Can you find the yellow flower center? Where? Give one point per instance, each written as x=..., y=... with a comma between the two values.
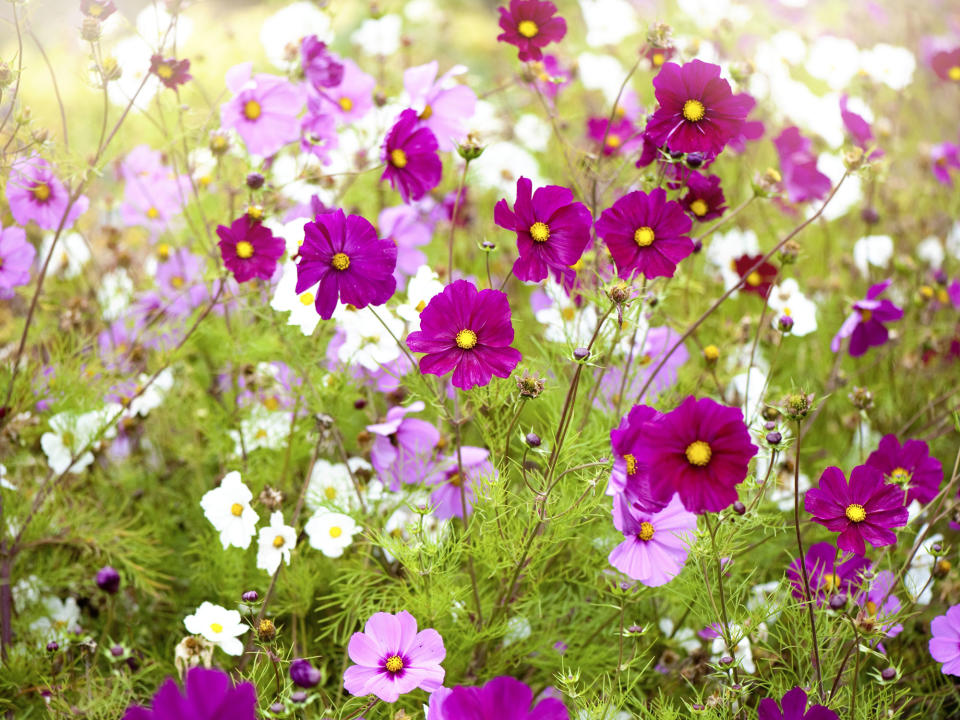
x=68, y=439
x=260, y=434
x=153, y=213
x=699, y=207
x=754, y=279
x=251, y=110
x=216, y=627
x=427, y=113
x=398, y=158
x=658, y=59
x=345, y=103
x=631, y=464
x=855, y=513
x=164, y=71
x=41, y=192
x=568, y=313
x=95, y=10
x=255, y=212
x=335, y=532
x=865, y=315
x=330, y=492
x=394, y=664
x=340, y=261
x=698, y=453
x=613, y=140
x=527, y=28
x=236, y=509
x=163, y=251
x=307, y=298
x=271, y=403
x=421, y=305
x=455, y=480
x=540, y=232
x=900, y=475
x=711, y=352
x=244, y=249
x=644, y=236
x=954, y=73
x=466, y=339
x=646, y=531
x=831, y=582
x=693, y=111
x=278, y=541
x=177, y=281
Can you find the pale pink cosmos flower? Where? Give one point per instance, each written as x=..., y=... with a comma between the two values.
x=442, y=106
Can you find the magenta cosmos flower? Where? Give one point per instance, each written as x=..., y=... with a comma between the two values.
x=443, y=108
x=403, y=447
x=264, y=110
x=249, y=250
x=827, y=578
x=531, y=25
x=945, y=643
x=865, y=325
x=944, y=157
x=794, y=707
x=172, y=72
x=321, y=67
x=701, y=450
x=413, y=167
x=502, y=698
x=207, y=695
x=656, y=544
x=798, y=167
x=345, y=259
x=946, y=64
x=16, y=257
x=910, y=466
x=392, y=658
x=646, y=234
x=863, y=509
x=698, y=112
x=627, y=475
x=466, y=331
x=704, y=199
x=552, y=230
x=35, y=194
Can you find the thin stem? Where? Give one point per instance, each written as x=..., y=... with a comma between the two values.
x=453, y=220
x=723, y=597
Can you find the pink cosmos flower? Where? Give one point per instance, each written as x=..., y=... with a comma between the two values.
x=249, y=249
x=152, y=196
x=403, y=224
x=628, y=477
x=442, y=108
x=449, y=482
x=502, y=698
x=403, y=447
x=858, y=128
x=392, y=658
x=181, y=285
x=656, y=544
x=413, y=167
x=704, y=199
x=880, y=604
x=531, y=25
x=466, y=331
x=207, y=695
x=321, y=67
x=550, y=76
x=750, y=130
x=946, y=64
x=318, y=130
x=98, y=9
x=910, y=465
x=798, y=167
x=623, y=137
x=264, y=110
x=944, y=646
x=794, y=705
x=352, y=98
x=827, y=578
x=865, y=325
x=35, y=194
x=172, y=72
x=944, y=157
x=16, y=258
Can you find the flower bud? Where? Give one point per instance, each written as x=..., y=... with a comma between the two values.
x=861, y=398
x=108, y=580
x=769, y=425
x=360, y=403
x=711, y=353
x=530, y=386
x=581, y=354
x=774, y=438
x=796, y=406
x=278, y=707
x=117, y=651
x=271, y=498
x=53, y=646
x=488, y=246
x=470, y=149
x=298, y=697
x=785, y=324
x=266, y=630
x=739, y=508
x=789, y=253
x=219, y=142
x=532, y=440
x=870, y=215
x=838, y=601
x=619, y=293
x=255, y=181
x=6, y=75
x=888, y=674
x=304, y=674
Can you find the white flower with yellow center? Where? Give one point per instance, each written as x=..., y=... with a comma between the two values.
x=69, y=434
x=889, y=64
x=275, y=543
x=151, y=398
x=220, y=626
x=228, y=510
x=331, y=486
x=58, y=618
x=71, y=255
x=421, y=289
x=876, y=250
x=786, y=299
x=331, y=532
x=264, y=428
x=301, y=307
x=367, y=342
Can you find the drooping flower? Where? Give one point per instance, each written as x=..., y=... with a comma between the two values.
x=794, y=707
x=656, y=544
x=449, y=482
x=392, y=658
x=440, y=107
x=865, y=325
x=944, y=644
x=275, y=543
x=331, y=532
x=208, y=694
x=466, y=331
x=646, y=234
x=228, y=509
x=249, y=249
x=911, y=466
x=172, y=72
x=220, y=626
x=759, y=280
x=403, y=446
x=798, y=167
x=16, y=259
x=345, y=259
x=264, y=110
x=826, y=577
x=413, y=167
x=704, y=199
x=552, y=230
x=698, y=112
x=946, y=64
x=35, y=194
x=502, y=698
x=531, y=25
x=861, y=509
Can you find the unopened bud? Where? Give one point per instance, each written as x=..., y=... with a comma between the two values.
x=533, y=440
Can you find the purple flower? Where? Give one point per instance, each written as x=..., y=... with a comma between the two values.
x=627, y=476
x=863, y=509
x=945, y=644
x=318, y=131
x=172, y=72
x=826, y=577
x=403, y=225
x=304, y=674
x=698, y=112
x=750, y=130
x=446, y=496
x=646, y=234
x=207, y=695
x=466, y=331
x=865, y=325
x=352, y=98
x=180, y=281
x=443, y=109
x=345, y=259
x=880, y=603
x=264, y=110
x=910, y=466
x=656, y=544
x=858, y=128
x=392, y=658
x=531, y=25
x=502, y=698
x=16, y=258
x=413, y=167
x=249, y=249
x=622, y=138
x=320, y=66
x=645, y=360
x=704, y=199
x=108, y=580
x=946, y=64
x=794, y=705
x=798, y=167
x=550, y=76
x=944, y=157
x=403, y=447
x=552, y=230
x=34, y=193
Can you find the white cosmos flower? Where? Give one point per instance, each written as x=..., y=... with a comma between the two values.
x=601, y=72
x=331, y=532
x=742, y=650
x=564, y=321
x=220, y=626
x=4, y=483
x=228, y=510
x=916, y=580
x=301, y=307
x=952, y=243
x=331, y=486
x=421, y=288
x=60, y=616
x=709, y=13
x=873, y=250
x=275, y=543
x=380, y=36
x=133, y=58
x=263, y=428
x=151, y=398
x=930, y=250
x=68, y=435
x=114, y=293
x=889, y=64
x=366, y=340
x=834, y=60
x=786, y=299
x=502, y=164
x=608, y=21
x=282, y=32
x=532, y=132
x=71, y=255
x=292, y=232
x=518, y=628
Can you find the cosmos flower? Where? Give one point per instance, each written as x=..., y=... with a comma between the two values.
x=220, y=626
x=97, y=9
x=264, y=110
x=656, y=544
x=502, y=698
x=758, y=281
x=321, y=67
x=318, y=131
x=794, y=707
x=785, y=299
x=449, y=482
x=441, y=108
x=750, y=130
x=16, y=259
x=863, y=509
x=698, y=112
x=552, y=230
x=413, y=167
x=405, y=226
x=798, y=167
x=622, y=137
x=35, y=194
x=946, y=64
x=345, y=259
x=944, y=644
x=865, y=325
x=858, y=128
x=550, y=76
x=704, y=199
x=944, y=157
x=627, y=476
x=646, y=234
x=403, y=446
x=827, y=578
x=331, y=532
x=392, y=658
x=879, y=603
x=466, y=331
x=352, y=98
x=910, y=466
x=275, y=543
x=531, y=25
x=249, y=249
x=172, y=72
x=331, y=485
x=228, y=509
x=207, y=695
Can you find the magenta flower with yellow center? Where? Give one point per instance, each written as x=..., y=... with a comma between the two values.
x=531, y=25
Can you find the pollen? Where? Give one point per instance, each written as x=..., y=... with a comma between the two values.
x=754, y=279
x=340, y=261
x=244, y=250
x=614, y=141
x=251, y=110
x=153, y=213
x=631, y=462
x=855, y=513
x=163, y=251
x=345, y=103
x=41, y=192
x=540, y=232
x=398, y=158
x=177, y=282
x=421, y=305
x=568, y=313
x=954, y=73
x=644, y=236
x=527, y=28
x=307, y=298
x=164, y=71
x=278, y=541
x=693, y=111
x=427, y=113
x=646, y=531
x=698, y=453
x=271, y=403
x=699, y=207
x=216, y=627
x=657, y=59
x=335, y=532
x=466, y=339
x=330, y=492
x=900, y=475
x=236, y=509
x=831, y=582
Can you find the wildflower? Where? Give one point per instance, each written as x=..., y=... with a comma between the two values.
x=879, y=604
x=759, y=280
x=443, y=109
x=552, y=230
x=331, y=485
x=16, y=259
x=392, y=658
x=865, y=508
x=798, y=166
x=304, y=674
x=249, y=249
x=413, y=167
x=299, y=305
x=275, y=543
x=502, y=698
x=70, y=434
x=619, y=138
x=646, y=234
x=331, y=532
x=220, y=626
x=466, y=331
x=345, y=259
x=97, y=9
x=826, y=577
x=944, y=646
x=450, y=483
x=656, y=544
x=264, y=110
x=35, y=193
x=58, y=618
x=944, y=157
x=403, y=446
x=403, y=225
x=698, y=112
x=946, y=64
x=865, y=325
x=876, y=250
x=794, y=707
x=858, y=128
x=172, y=72
x=108, y=579
x=321, y=67
x=421, y=288
x=910, y=466
x=531, y=25
x=207, y=695
x=627, y=476
x=704, y=199
x=352, y=98
x=787, y=299
x=228, y=510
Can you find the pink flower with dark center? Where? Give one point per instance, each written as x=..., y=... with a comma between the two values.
x=704, y=199
x=910, y=466
x=443, y=109
x=946, y=64
x=827, y=578
x=656, y=544
x=16, y=258
x=880, y=604
x=531, y=25
x=944, y=646
x=863, y=509
x=35, y=194
x=172, y=72
x=264, y=110
x=249, y=250
x=798, y=167
x=413, y=167
x=865, y=325
x=550, y=76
